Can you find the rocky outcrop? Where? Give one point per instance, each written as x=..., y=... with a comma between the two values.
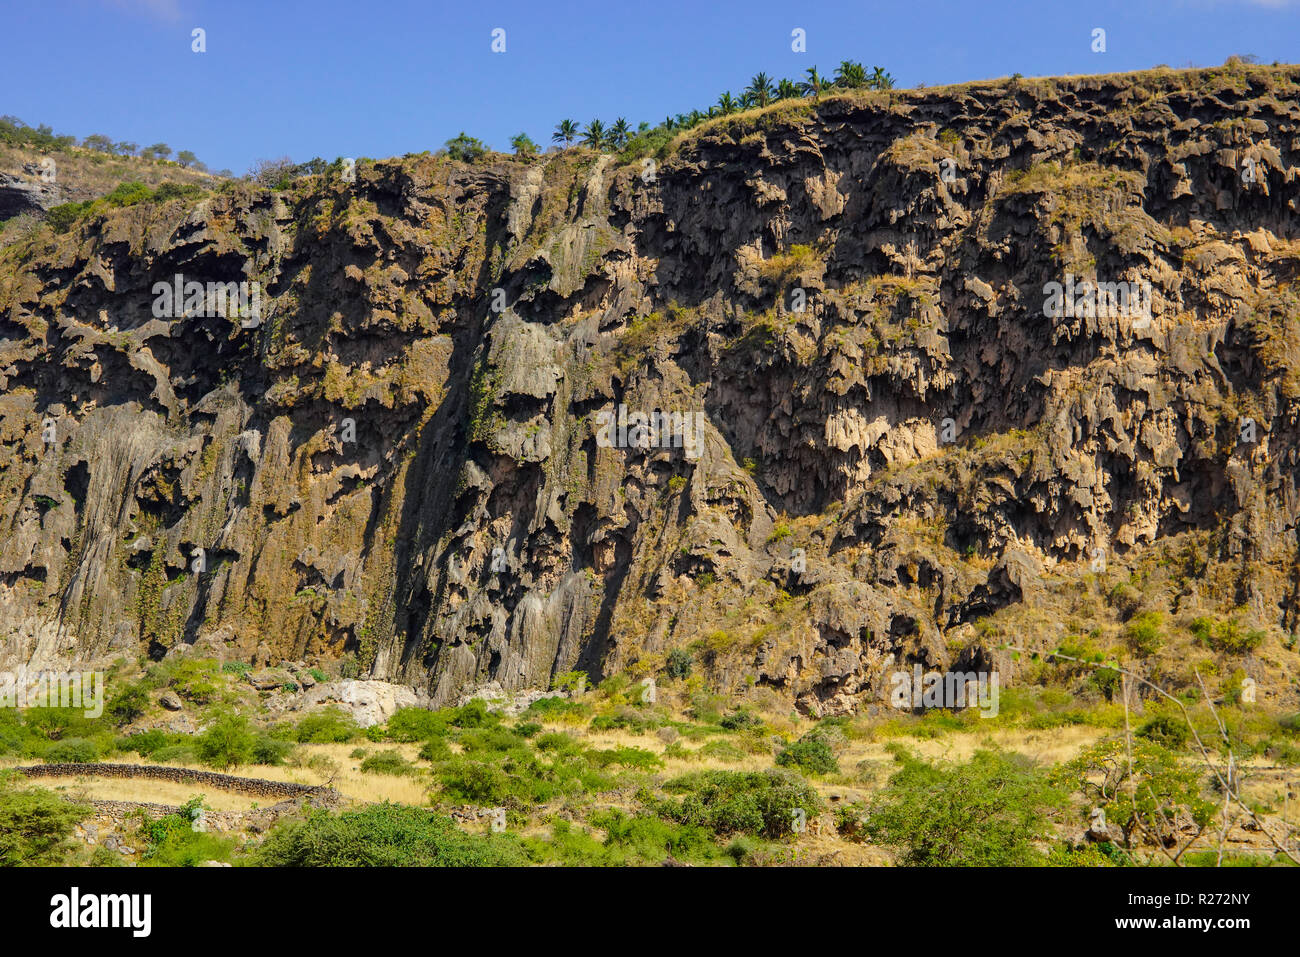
x=880, y=430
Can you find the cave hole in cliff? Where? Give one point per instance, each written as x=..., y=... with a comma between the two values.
x=77, y=481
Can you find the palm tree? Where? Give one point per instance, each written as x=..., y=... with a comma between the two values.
x=880, y=80
x=850, y=75
x=619, y=134
x=695, y=117
x=727, y=104
x=761, y=88
x=787, y=90
x=594, y=134
x=670, y=123
x=565, y=133
x=815, y=83
x=747, y=99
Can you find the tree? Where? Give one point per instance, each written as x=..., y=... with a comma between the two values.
x=523, y=145
x=880, y=80
x=186, y=158
x=98, y=142
x=727, y=104
x=126, y=148
x=465, y=148
x=157, y=151
x=850, y=75
x=594, y=135
x=815, y=83
x=761, y=89
x=619, y=134
x=273, y=173
x=787, y=90
x=1142, y=787
x=988, y=812
x=566, y=132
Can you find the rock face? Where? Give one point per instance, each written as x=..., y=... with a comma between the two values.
x=369, y=702
x=879, y=429
x=19, y=195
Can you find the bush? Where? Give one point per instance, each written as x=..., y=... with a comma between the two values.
x=1145, y=633
x=72, y=751
x=383, y=835
x=128, y=704
x=987, y=812
x=474, y=782
x=679, y=663
x=435, y=749
x=171, y=841
x=145, y=743
x=35, y=824
x=741, y=802
x=627, y=757
x=387, y=762
x=809, y=754
x=228, y=742
x=1168, y=730
x=417, y=724
x=329, y=726
x=464, y=148
x=741, y=720
x=1226, y=636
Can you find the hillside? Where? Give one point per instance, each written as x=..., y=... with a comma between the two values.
x=476, y=529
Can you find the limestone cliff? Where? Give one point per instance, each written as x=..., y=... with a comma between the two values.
x=403, y=462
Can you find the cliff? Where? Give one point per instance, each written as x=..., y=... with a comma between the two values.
x=889, y=446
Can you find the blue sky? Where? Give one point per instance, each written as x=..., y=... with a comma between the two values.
x=378, y=78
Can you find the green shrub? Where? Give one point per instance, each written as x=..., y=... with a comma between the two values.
x=741, y=802
x=383, y=835
x=679, y=663
x=388, y=762
x=145, y=743
x=1228, y=636
x=722, y=751
x=35, y=824
x=435, y=749
x=175, y=754
x=127, y=705
x=741, y=720
x=473, y=714
x=1168, y=730
x=474, y=782
x=1145, y=633
x=990, y=811
x=465, y=148
x=409, y=725
x=228, y=741
x=172, y=841
x=72, y=751
x=329, y=726
x=809, y=754
x=627, y=757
